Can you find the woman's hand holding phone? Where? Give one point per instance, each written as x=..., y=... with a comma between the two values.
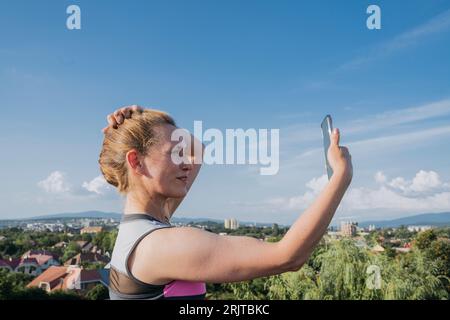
x=339, y=157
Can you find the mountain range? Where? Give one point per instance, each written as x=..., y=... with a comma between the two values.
x=433, y=219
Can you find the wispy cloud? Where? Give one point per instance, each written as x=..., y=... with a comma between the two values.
x=376, y=123
x=400, y=116
x=406, y=139
x=307, y=132
x=400, y=140
x=437, y=24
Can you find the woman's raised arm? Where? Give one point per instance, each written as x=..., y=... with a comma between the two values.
x=192, y=254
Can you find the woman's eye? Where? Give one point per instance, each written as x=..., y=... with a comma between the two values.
x=178, y=151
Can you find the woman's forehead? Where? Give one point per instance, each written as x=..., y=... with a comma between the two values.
x=165, y=135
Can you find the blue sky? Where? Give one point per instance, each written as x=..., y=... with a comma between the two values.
x=230, y=64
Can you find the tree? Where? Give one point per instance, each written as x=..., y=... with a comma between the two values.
x=64, y=295
x=275, y=229
x=71, y=250
x=99, y=292
x=12, y=284
x=425, y=238
x=34, y=293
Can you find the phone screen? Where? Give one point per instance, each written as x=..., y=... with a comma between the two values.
x=327, y=128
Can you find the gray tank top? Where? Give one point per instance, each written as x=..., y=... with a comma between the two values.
x=123, y=285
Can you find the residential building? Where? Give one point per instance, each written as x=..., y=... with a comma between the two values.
x=377, y=249
x=88, y=257
x=32, y=262
x=232, y=224
x=69, y=278
x=85, y=246
x=348, y=228
x=91, y=230
x=419, y=228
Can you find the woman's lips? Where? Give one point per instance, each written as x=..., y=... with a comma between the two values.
x=183, y=178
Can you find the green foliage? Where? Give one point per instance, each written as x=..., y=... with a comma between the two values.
x=425, y=238
x=105, y=240
x=64, y=295
x=11, y=283
x=86, y=237
x=99, y=292
x=71, y=250
x=340, y=271
x=335, y=270
x=13, y=287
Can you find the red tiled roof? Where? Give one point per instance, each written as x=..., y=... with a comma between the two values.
x=3, y=263
x=29, y=260
x=63, y=277
x=41, y=256
x=82, y=243
x=51, y=275
x=13, y=263
x=86, y=257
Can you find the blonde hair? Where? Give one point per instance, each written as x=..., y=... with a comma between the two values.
x=137, y=132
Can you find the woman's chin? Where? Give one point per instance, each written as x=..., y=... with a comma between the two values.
x=180, y=193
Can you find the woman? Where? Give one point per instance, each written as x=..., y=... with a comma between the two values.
x=175, y=263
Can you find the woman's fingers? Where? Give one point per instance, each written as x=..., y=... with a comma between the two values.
x=118, y=117
x=136, y=108
x=335, y=136
x=111, y=120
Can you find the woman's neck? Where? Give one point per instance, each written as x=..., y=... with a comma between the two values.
x=153, y=205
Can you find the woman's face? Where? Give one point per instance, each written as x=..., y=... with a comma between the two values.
x=161, y=174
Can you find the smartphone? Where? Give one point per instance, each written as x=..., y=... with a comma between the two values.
x=327, y=129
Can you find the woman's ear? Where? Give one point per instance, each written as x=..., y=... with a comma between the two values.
x=134, y=161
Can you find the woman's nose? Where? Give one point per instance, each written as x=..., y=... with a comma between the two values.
x=187, y=163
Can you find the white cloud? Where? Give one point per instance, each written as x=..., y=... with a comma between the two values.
x=317, y=184
x=384, y=198
x=380, y=177
x=97, y=185
x=424, y=193
x=57, y=186
x=424, y=182
x=314, y=185
x=55, y=183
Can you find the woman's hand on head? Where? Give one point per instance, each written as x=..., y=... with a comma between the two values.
x=339, y=157
x=117, y=117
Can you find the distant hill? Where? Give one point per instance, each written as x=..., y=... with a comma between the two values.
x=109, y=215
x=117, y=216
x=78, y=215
x=434, y=219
